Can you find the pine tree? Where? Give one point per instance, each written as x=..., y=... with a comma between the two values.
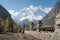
x=1, y=21
x=8, y=24
x=16, y=28
x=10, y=21
x=1, y=25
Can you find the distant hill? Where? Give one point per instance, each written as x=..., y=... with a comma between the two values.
x=4, y=13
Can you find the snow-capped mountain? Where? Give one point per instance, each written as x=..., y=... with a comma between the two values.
x=32, y=13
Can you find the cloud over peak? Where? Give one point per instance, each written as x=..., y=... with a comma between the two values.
x=29, y=13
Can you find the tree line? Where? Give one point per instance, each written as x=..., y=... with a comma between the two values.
x=9, y=26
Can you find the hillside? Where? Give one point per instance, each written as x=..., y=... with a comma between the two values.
x=4, y=13
x=6, y=22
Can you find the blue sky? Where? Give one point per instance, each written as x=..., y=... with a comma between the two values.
x=19, y=4
x=28, y=9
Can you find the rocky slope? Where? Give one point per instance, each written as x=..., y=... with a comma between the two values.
x=4, y=13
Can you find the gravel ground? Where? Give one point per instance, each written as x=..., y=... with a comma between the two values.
x=16, y=36
x=45, y=35
x=32, y=35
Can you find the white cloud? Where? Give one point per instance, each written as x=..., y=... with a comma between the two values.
x=11, y=11
x=28, y=13
x=45, y=9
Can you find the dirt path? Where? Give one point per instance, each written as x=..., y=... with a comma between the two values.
x=28, y=37
x=16, y=36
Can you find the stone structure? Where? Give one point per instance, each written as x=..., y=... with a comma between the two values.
x=57, y=15
x=50, y=29
x=39, y=25
x=57, y=21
